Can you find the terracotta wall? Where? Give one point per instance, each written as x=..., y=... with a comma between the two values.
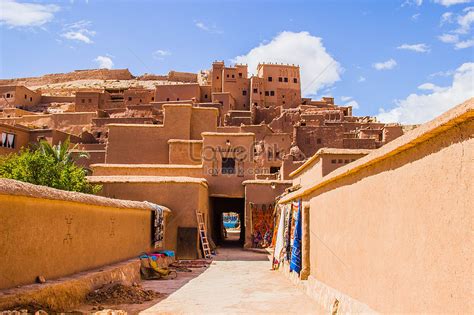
x=185, y=152
x=54, y=233
x=183, y=195
x=146, y=170
x=393, y=230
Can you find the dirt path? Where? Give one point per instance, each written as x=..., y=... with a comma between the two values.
x=238, y=282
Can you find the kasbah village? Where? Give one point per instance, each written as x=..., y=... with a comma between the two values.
x=220, y=192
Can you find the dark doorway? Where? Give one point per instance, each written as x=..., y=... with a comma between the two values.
x=219, y=206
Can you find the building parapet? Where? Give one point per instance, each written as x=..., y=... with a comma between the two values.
x=324, y=151
x=17, y=188
x=148, y=179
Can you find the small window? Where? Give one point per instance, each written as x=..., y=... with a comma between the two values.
x=318, y=141
x=177, y=99
x=31, y=99
x=228, y=166
x=339, y=161
x=152, y=98
x=286, y=80
x=129, y=98
x=167, y=99
x=333, y=161
x=140, y=100
x=280, y=79
x=83, y=101
x=205, y=95
x=25, y=96
x=270, y=79
x=272, y=93
x=255, y=90
x=240, y=75
x=8, y=95
x=267, y=93
x=217, y=77
x=274, y=169
x=244, y=92
x=346, y=161
x=233, y=76
x=90, y=100
x=283, y=102
x=227, y=75
x=295, y=80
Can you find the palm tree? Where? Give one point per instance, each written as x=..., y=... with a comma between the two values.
x=61, y=152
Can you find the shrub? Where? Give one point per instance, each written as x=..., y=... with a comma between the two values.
x=47, y=165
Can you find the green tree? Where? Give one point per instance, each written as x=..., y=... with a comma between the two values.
x=48, y=165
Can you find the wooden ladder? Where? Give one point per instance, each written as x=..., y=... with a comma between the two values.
x=203, y=235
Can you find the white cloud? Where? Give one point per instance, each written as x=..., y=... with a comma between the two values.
x=207, y=28
x=448, y=3
x=15, y=14
x=412, y=3
x=104, y=62
x=361, y=79
x=441, y=74
x=349, y=101
x=79, y=31
x=352, y=103
x=415, y=47
x=318, y=68
x=385, y=65
x=464, y=44
x=415, y=16
x=449, y=38
x=465, y=21
x=346, y=98
x=77, y=36
x=431, y=87
x=419, y=108
x=446, y=18
x=160, y=54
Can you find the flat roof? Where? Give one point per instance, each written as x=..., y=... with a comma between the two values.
x=228, y=134
x=324, y=151
x=147, y=179
x=171, y=166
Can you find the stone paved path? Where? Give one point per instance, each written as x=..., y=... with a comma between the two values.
x=238, y=282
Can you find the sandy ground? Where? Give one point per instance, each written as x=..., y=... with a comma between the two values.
x=237, y=282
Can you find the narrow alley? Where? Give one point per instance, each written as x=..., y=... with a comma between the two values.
x=237, y=282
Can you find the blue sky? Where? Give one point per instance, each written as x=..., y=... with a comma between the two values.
x=401, y=60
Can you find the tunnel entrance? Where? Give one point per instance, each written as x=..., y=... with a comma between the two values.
x=228, y=219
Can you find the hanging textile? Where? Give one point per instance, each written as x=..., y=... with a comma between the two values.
x=158, y=222
x=288, y=234
x=280, y=235
x=262, y=225
x=295, y=262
